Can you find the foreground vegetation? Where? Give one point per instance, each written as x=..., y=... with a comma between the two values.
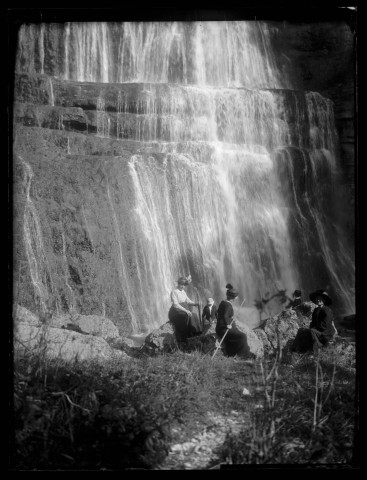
x=127, y=414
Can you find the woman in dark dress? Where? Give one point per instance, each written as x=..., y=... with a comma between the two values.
x=321, y=329
x=185, y=322
x=235, y=341
x=297, y=300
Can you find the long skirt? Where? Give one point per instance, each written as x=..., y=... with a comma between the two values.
x=184, y=325
x=308, y=339
x=234, y=343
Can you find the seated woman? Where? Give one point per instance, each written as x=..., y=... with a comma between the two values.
x=321, y=329
x=185, y=322
x=297, y=300
x=235, y=341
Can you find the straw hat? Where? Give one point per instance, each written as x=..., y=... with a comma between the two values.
x=184, y=280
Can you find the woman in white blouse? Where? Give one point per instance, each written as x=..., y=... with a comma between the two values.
x=185, y=322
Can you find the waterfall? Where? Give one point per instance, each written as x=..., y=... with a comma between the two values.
x=52, y=98
x=34, y=245
x=103, y=120
x=243, y=183
x=122, y=269
x=231, y=54
x=41, y=47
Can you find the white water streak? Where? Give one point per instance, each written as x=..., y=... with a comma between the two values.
x=41, y=47
x=103, y=120
x=52, y=98
x=71, y=303
x=124, y=278
x=33, y=240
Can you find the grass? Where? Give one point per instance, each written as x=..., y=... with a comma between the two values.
x=306, y=414
x=121, y=415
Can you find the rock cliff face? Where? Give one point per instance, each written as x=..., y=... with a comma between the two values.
x=109, y=179
x=322, y=57
x=317, y=56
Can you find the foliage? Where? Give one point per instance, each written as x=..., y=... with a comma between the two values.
x=305, y=413
x=122, y=414
x=114, y=416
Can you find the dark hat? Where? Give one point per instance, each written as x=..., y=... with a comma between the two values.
x=323, y=294
x=231, y=292
x=297, y=293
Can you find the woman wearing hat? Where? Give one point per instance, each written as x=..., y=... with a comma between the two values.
x=185, y=322
x=297, y=300
x=321, y=329
x=209, y=311
x=235, y=341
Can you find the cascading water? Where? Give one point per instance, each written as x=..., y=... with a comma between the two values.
x=244, y=188
x=33, y=240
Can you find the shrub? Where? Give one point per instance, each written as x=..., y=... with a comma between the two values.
x=311, y=419
x=114, y=416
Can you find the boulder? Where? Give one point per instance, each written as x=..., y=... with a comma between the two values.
x=23, y=315
x=68, y=337
x=98, y=326
x=126, y=345
x=281, y=327
x=204, y=343
x=304, y=313
x=62, y=344
x=207, y=342
x=254, y=342
x=61, y=320
x=162, y=339
x=88, y=324
x=261, y=335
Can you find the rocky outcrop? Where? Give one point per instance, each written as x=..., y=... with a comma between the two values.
x=281, y=329
x=304, y=313
x=82, y=339
x=255, y=343
x=88, y=324
x=322, y=57
x=62, y=344
x=277, y=331
x=161, y=339
x=23, y=315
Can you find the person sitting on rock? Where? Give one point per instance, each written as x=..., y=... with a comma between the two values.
x=235, y=341
x=185, y=322
x=297, y=300
x=321, y=329
x=209, y=311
